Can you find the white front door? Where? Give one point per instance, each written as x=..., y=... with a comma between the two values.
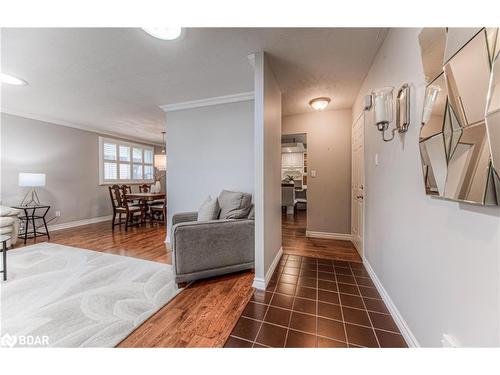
x=358, y=184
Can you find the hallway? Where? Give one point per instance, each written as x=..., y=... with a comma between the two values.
x=320, y=295
x=295, y=241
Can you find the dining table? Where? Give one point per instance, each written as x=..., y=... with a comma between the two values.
x=145, y=197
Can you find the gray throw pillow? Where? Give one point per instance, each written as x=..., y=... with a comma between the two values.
x=209, y=210
x=234, y=205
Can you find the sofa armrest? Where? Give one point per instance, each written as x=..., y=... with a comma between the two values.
x=9, y=225
x=204, y=245
x=8, y=211
x=182, y=217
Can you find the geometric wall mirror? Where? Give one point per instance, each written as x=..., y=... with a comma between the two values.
x=460, y=127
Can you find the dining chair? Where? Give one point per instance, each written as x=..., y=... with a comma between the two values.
x=145, y=188
x=126, y=188
x=158, y=212
x=123, y=206
x=288, y=199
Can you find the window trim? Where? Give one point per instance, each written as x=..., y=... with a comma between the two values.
x=131, y=145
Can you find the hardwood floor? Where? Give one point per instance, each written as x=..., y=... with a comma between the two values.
x=145, y=242
x=204, y=314
x=295, y=241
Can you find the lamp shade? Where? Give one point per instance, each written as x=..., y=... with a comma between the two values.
x=383, y=105
x=31, y=179
x=161, y=162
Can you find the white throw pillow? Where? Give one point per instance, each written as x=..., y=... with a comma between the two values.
x=209, y=210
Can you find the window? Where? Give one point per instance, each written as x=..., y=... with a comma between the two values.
x=123, y=162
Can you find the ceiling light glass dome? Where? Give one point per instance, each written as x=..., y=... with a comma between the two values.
x=164, y=33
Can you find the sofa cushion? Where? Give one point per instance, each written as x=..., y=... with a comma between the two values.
x=234, y=205
x=7, y=230
x=209, y=210
x=6, y=221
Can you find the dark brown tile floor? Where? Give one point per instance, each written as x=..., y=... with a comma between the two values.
x=314, y=302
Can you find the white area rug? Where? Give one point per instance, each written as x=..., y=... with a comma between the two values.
x=63, y=296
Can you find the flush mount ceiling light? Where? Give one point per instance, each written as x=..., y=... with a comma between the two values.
x=11, y=80
x=164, y=33
x=319, y=104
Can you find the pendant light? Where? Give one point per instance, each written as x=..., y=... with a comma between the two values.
x=161, y=159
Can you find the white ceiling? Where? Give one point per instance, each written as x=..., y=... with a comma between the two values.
x=114, y=80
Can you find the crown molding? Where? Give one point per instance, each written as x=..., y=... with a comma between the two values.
x=241, y=97
x=50, y=120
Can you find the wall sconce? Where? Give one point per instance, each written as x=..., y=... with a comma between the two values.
x=403, y=109
x=382, y=99
x=383, y=104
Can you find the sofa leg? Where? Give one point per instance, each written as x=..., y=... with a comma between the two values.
x=182, y=285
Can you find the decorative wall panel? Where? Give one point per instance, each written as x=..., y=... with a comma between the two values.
x=460, y=133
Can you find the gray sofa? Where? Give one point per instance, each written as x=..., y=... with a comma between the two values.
x=204, y=249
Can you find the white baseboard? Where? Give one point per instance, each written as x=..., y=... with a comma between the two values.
x=77, y=223
x=328, y=235
x=408, y=335
x=259, y=282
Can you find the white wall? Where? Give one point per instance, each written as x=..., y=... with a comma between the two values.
x=70, y=159
x=208, y=149
x=438, y=260
x=329, y=154
x=267, y=169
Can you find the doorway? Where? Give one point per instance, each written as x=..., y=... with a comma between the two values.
x=294, y=173
x=293, y=188
x=318, y=161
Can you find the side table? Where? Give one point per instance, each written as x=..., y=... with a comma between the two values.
x=4, y=238
x=32, y=213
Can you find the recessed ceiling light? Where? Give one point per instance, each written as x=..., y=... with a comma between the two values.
x=319, y=104
x=11, y=80
x=164, y=33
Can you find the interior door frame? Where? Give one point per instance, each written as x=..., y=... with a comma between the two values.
x=361, y=116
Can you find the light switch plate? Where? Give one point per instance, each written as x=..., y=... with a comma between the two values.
x=377, y=162
x=313, y=173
